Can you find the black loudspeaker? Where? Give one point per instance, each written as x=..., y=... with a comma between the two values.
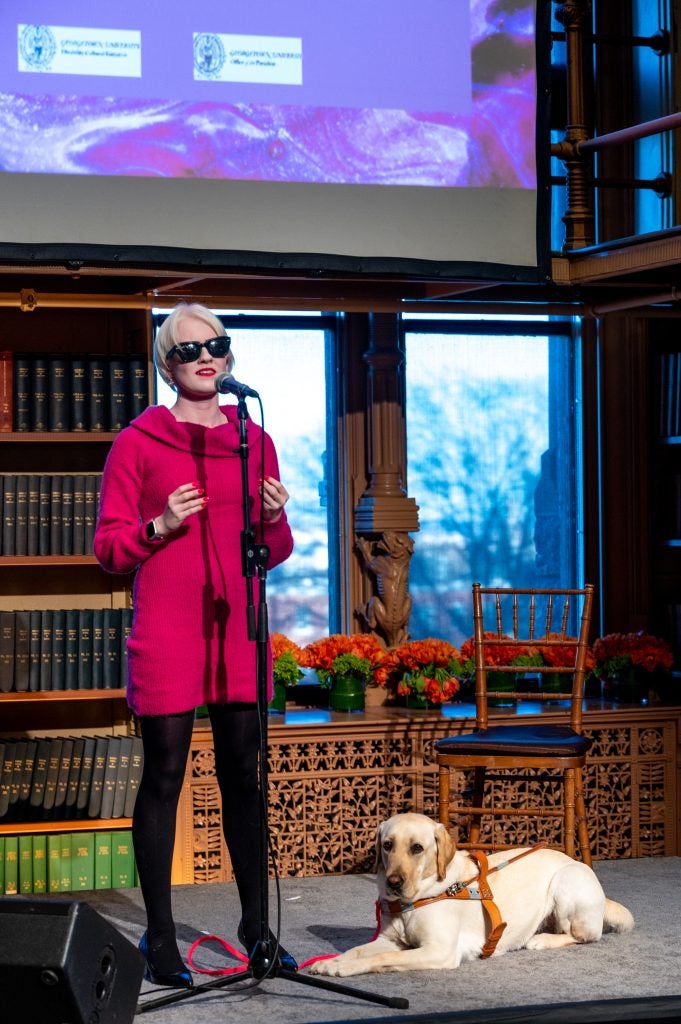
x=61, y=963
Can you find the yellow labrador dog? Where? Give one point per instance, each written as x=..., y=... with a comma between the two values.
x=544, y=898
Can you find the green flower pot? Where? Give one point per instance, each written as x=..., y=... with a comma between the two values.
x=346, y=694
x=627, y=686
x=277, y=706
x=501, y=681
x=418, y=702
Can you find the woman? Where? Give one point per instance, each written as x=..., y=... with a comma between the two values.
x=171, y=509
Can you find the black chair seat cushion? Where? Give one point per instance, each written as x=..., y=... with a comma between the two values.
x=529, y=740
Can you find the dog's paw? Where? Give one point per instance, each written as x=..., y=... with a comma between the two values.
x=327, y=967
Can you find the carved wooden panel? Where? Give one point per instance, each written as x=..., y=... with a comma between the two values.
x=330, y=785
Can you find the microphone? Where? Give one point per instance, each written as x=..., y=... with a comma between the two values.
x=225, y=384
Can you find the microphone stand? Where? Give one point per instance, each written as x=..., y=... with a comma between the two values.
x=264, y=961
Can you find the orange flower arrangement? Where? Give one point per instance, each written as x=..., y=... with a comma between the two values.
x=343, y=654
x=564, y=656
x=287, y=657
x=423, y=667
x=509, y=653
x=617, y=651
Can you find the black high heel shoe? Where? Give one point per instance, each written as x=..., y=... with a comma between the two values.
x=174, y=979
x=257, y=957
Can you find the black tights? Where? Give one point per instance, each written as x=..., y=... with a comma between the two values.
x=166, y=741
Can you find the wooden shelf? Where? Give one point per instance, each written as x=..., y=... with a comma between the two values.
x=48, y=560
x=22, y=828
x=39, y=436
x=25, y=697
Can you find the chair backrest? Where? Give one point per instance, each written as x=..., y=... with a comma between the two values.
x=518, y=625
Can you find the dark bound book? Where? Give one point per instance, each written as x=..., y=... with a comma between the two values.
x=63, y=778
x=124, y=755
x=97, y=780
x=67, y=514
x=33, y=527
x=26, y=780
x=6, y=392
x=138, y=392
x=15, y=784
x=97, y=681
x=21, y=396
x=73, y=782
x=58, y=419
x=126, y=629
x=134, y=775
x=39, y=394
x=50, y=793
x=22, y=638
x=6, y=651
x=79, y=514
x=9, y=508
x=58, y=649
x=97, y=403
x=113, y=750
x=39, y=778
x=79, y=394
x=85, y=616
x=90, y=511
x=85, y=779
x=45, y=681
x=44, y=514
x=71, y=650
x=34, y=635
x=55, y=514
x=21, y=515
x=117, y=393
x=6, y=772
x=112, y=649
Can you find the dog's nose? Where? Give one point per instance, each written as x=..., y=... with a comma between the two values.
x=395, y=882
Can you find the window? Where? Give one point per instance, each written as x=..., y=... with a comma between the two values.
x=492, y=449
x=284, y=357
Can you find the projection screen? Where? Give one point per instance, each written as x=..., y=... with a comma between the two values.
x=364, y=135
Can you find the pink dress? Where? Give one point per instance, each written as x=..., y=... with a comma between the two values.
x=189, y=643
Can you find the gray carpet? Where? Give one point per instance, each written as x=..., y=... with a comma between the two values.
x=613, y=980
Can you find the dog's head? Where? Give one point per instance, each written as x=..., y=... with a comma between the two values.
x=412, y=849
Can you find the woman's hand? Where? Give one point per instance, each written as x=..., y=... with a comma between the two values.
x=186, y=501
x=274, y=497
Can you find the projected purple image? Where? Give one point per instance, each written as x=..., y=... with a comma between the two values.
x=463, y=118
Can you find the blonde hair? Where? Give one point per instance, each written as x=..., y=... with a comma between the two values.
x=166, y=336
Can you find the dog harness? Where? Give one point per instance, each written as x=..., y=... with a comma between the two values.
x=477, y=889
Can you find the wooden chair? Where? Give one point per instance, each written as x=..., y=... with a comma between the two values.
x=551, y=756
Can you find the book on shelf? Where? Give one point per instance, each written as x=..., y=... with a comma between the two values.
x=22, y=638
x=50, y=793
x=65, y=861
x=97, y=682
x=39, y=394
x=15, y=784
x=122, y=776
x=6, y=651
x=134, y=775
x=73, y=781
x=90, y=511
x=97, y=779
x=54, y=844
x=33, y=512
x=21, y=393
x=112, y=649
x=59, y=649
x=126, y=629
x=6, y=771
x=45, y=681
x=97, y=410
x=85, y=778
x=25, y=865
x=138, y=392
x=113, y=749
x=58, y=420
x=44, y=513
x=65, y=755
x=102, y=860
x=23, y=803
x=11, y=865
x=21, y=515
x=67, y=514
x=71, y=650
x=39, y=863
x=2, y=865
x=9, y=500
x=55, y=514
x=117, y=393
x=79, y=395
x=38, y=780
x=82, y=860
x=6, y=392
x=122, y=860
x=34, y=640
x=85, y=618
x=78, y=539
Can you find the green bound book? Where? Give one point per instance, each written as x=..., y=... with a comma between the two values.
x=65, y=862
x=54, y=843
x=11, y=865
x=122, y=861
x=82, y=860
x=39, y=863
x=102, y=860
x=25, y=865
x=2, y=865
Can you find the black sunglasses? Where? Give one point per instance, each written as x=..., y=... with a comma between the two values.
x=189, y=351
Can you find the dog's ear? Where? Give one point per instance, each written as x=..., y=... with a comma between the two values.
x=446, y=848
x=378, y=860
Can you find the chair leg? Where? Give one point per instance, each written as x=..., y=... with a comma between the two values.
x=475, y=826
x=443, y=795
x=569, y=812
x=582, y=824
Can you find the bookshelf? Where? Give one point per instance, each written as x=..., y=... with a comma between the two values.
x=61, y=439
x=666, y=480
